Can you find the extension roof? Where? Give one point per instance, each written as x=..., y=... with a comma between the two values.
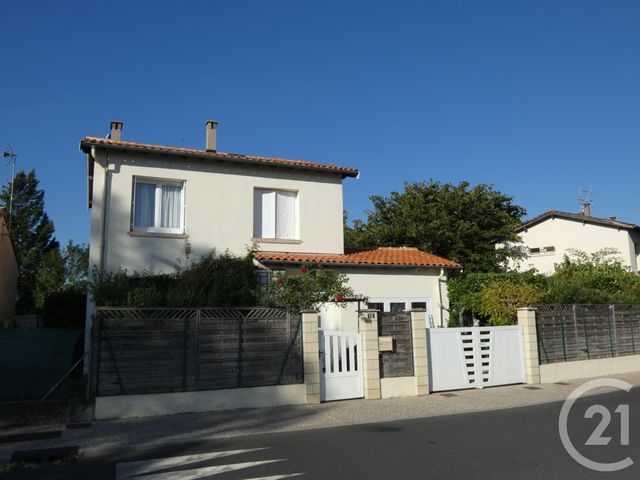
x=578, y=217
x=376, y=257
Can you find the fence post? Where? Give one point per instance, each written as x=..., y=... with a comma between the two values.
x=527, y=320
x=197, y=352
x=368, y=326
x=420, y=350
x=613, y=334
x=94, y=357
x=311, y=355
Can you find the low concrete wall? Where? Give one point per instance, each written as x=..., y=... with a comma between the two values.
x=398, y=387
x=125, y=406
x=559, y=372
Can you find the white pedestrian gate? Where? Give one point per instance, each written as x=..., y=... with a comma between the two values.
x=341, y=365
x=475, y=357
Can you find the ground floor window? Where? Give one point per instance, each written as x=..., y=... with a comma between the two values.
x=397, y=305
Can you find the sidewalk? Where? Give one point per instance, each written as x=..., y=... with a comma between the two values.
x=108, y=435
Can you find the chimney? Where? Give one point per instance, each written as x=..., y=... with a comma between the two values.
x=211, y=125
x=116, y=130
x=586, y=209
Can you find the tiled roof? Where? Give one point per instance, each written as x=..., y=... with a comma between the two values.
x=578, y=217
x=88, y=142
x=383, y=256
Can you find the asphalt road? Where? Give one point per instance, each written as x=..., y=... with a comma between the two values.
x=520, y=443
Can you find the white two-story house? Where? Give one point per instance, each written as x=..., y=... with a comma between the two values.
x=147, y=200
x=548, y=237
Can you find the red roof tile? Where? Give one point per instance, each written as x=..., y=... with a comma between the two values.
x=383, y=256
x=88, y=142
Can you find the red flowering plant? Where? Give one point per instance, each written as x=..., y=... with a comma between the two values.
x=308, y=288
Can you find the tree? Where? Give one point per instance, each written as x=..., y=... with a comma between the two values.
x=459, y=222
x=62, y=270
x=50, y=277
x=31, y=231
x=76, y=265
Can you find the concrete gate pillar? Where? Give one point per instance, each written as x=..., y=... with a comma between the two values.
x=368, y=326
x=311, y=355
x=420, y=350
x=527, y=320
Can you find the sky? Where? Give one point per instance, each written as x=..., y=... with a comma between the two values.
x=538, y=98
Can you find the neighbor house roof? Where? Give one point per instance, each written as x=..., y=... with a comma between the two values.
x=88, y=142
x=611, y=222
x=376, y=257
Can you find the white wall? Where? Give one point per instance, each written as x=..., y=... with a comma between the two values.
x=389, y=283
x=218, y=212
x=127, y=406
x=563, y=371
x=568, y=234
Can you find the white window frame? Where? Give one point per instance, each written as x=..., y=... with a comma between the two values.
x=542, y=251
x=296, y=214
x=157, y=214
x=387, y=301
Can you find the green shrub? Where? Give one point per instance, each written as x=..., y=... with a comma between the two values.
x=65, y=308
x=309, y=288
x=465, y=293
x=220, y=280
x=499, y=301
x=214, y=280
x=599, y=278
x=596, y=278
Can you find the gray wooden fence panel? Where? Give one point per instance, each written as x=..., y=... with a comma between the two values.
x=173, y=350
x=583, y=332
x=399, y=362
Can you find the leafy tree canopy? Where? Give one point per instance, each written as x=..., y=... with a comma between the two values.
x=458, y=222
x=31, y=231
x=62, y=269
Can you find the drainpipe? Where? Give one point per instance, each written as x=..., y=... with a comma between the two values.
x=105, y=183
x=101, y=241
x=441, y=279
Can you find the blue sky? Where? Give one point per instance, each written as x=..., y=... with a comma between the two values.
x=538, y=98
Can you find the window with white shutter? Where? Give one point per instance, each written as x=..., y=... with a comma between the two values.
x=274, y=214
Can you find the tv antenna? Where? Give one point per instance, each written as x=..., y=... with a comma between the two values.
x=585, y=199
x=11, y=158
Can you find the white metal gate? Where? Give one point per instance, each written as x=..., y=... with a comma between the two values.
x=475, y=357
x=341, y=365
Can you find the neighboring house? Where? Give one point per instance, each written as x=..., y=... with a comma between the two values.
x=550, y=236
x=8, y=272
x=147, y=200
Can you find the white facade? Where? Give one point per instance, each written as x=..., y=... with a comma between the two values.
x=548, y=241
x=218, y=210
x=403, y=288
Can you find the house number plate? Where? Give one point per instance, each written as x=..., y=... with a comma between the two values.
x=385, y=344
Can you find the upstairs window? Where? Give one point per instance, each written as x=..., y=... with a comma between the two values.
x=158, y=206
x=274, y=214
x=542, y=251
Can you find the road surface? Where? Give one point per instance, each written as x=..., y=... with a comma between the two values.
x=519, y=443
